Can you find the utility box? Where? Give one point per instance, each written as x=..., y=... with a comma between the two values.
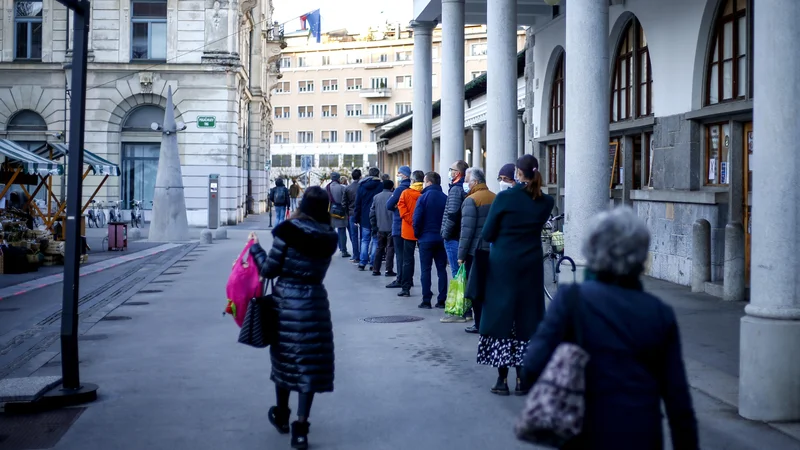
x=117, y=236
x=213, y=201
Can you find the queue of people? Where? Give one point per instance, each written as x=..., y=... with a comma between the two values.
x=631, y=336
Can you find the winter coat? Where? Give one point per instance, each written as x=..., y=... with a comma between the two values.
x=391, y=205
x=474, y=211
x=350, y=193
x=337, y=193
x=367, y=190
x=406, y=206
x=515, y=282
x=302, y=356
x=451, y=222
x=635, y=362
x=279, y=185
x=294, y=191
x=380, y=216
x=428, y=214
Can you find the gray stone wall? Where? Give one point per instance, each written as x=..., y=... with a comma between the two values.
x=676, y=153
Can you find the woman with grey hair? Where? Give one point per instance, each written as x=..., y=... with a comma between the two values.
x=632, y=340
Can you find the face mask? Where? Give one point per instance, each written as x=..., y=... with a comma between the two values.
x=450, y=176
x=466, y=188
x=505, y=185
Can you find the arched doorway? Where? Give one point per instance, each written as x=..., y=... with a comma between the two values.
x=28, y=129
x=141, y=147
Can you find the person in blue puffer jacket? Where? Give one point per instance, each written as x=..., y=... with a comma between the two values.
x=368, y=188
x=403, y=183
x=427, y=225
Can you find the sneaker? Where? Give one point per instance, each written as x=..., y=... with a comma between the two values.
x=424, y=305
x=394, y=285
x=472, y=329
x=362, y=268
x=501, y=387
x=440, y=305
x=391, y=274
x=376, y=274
x=346, y=255
x=452, y=319
x=404, y=293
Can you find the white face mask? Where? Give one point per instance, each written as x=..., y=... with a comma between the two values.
x=450, y=176
x=505, y=185
x=466, y=188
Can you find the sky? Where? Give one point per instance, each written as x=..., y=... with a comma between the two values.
x=350, y=14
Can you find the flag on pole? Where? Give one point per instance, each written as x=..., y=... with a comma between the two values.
x=311, y=21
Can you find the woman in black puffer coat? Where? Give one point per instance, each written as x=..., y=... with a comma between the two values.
x=302, y=356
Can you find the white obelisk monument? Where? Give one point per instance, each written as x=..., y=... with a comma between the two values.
x=169, y=222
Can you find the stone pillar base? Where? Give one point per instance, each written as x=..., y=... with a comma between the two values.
x=769, y=369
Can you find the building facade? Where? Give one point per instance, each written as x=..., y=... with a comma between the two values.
x=218, y=57
x=333, y=95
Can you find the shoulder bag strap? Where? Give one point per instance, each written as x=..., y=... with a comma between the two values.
x=330, y=196
x=574, y=305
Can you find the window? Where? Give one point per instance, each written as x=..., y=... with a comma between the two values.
x=353, y=84
x=330, y=136
x=305, y=86
x=379, y=110
x=28, y=29
x=373, y=136
x=330, y=111
x=305, y=137
x=283, y=87
x=404, y=55
x=402, y=82
x=401, y=108
x=729, y=67
x=478, y=74
x=149, y=29
x=552, y=164
x=353, y=110
x=353, y=135
x=379, y=82
x=354, y=58
x=372, y=160
x=434, y=80
x=139, y=168
x=282, y=112
x=302, y=61
x=286, y=62
x=281, y=137
x=632, y=89
x=379, y=58
x=330, y=85
x=329, y=161
x=281, y=160
x=557, y=99
x=352, y=161
x=298, y=160
x=305, y=112
x=326, y=60
x=478, y=49
x=718, y=141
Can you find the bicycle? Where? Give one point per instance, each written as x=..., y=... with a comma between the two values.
x=96, y=217
x=115, y=215
x=554, y=257
x=137, y=216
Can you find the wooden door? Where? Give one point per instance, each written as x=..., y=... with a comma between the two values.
x=747, y=197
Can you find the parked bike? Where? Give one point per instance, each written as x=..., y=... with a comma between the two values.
x=555, y=262
x=137, y=214
x=96, y=217
x=115, y=215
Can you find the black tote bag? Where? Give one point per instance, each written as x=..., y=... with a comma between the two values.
x=258, y=328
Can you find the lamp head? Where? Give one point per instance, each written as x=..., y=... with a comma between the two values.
x=154, y=126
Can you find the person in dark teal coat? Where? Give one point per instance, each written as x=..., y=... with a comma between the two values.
x=514, y=300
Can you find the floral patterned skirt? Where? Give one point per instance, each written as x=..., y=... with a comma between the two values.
x=499, y=352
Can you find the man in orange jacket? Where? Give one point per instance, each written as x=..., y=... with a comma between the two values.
x=406, y=205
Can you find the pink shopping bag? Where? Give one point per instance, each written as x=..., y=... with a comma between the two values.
x=243, y=285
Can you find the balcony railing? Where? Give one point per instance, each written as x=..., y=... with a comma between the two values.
x=374, y=118
x=376, y=93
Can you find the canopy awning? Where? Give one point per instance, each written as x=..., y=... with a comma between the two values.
x=31, y=163
x=99, y=165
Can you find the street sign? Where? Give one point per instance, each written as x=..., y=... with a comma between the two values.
x=306, y=161
x=206, y=122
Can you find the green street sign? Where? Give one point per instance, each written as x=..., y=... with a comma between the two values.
x=206, y=122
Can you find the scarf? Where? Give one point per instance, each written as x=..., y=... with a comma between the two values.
x=416, y=186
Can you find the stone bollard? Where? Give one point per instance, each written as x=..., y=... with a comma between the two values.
x=134, y=234
x=733, y=270
x=701, y=255
x=206, y=237
x=221, y=233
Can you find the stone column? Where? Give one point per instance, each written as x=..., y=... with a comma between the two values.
x=770, y=332
x=520, y=135
x=586, y=180
x=452, y=54
x=501, y=90
x=476, y=147
x=437, y=156
x=421, y=131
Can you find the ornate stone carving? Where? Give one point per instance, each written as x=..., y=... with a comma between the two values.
x=146, y=82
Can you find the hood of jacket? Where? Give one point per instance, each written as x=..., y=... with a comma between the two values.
x=477, y=188
x=370, y=182
x=308, y=236
x=416, y=186
x=365, y=179
x=279, y=182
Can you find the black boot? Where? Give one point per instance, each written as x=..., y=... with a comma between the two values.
x=501, y=387
x=279, y=419
x=300, y=434
x=521, y=388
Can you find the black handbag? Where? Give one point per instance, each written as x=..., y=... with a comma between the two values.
x=258, y=329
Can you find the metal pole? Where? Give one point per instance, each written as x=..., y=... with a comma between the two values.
x=69, y=314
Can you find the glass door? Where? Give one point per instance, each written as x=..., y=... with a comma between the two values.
x=747, y=197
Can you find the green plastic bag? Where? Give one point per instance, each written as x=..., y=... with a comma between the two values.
x=456, y=304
